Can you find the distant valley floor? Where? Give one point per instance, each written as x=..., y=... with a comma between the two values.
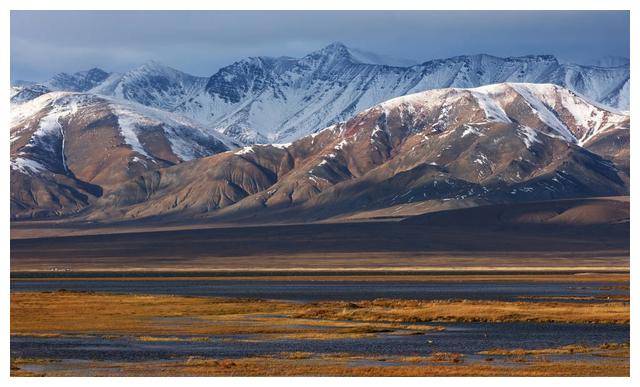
x=573, y=235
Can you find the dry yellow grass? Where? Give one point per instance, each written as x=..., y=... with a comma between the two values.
x=470, y=311
x=302, y=365
x=152, y=339
x=70, y=312
x=446, y=357
x=609, y=349
x=161, y=317
x=158, y=315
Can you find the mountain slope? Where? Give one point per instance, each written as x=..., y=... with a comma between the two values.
x=546, y=214
x=493, y=144
x=152, y=84
x=66, y=148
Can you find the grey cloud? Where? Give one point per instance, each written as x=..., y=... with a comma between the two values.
x=46, y=42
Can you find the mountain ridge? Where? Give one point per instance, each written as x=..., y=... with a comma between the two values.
x=461, y=147
x=280, y=99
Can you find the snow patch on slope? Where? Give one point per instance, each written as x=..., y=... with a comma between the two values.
x=470, y=130
x=55, y=106
x=544, y=113
x=21, y=112
x=485, y=96
x=128, y=122
x=181, y=131
x=245, y=150
x=26, y=166
x=528, y=136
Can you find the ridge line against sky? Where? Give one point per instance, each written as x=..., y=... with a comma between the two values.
x=200, y=43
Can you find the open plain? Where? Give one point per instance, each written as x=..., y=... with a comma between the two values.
x=435, y=294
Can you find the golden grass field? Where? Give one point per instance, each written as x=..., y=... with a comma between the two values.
x=327, y=366
x=152, y=318
x=75, y=312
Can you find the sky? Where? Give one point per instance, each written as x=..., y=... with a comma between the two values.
x=200, y=42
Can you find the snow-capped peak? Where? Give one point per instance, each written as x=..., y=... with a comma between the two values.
x=561, y=113
x=155, y=67
x=333, y=53
x=333, y=48
x=340, y=51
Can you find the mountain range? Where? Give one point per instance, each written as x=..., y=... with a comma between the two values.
x=281, y=99
x=103, y=158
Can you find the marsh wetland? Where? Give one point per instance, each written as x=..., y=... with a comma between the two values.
x=320, y=324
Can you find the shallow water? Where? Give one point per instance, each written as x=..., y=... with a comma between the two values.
x=75, y=351
x=308, y=290
x=466, y=338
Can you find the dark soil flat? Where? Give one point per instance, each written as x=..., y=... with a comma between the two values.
x=372, y=245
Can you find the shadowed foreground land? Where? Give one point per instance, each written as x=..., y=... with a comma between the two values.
x=146, y=318
x=366, y=245
x=591, y=233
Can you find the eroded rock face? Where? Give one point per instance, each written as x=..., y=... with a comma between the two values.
x=499, y=143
